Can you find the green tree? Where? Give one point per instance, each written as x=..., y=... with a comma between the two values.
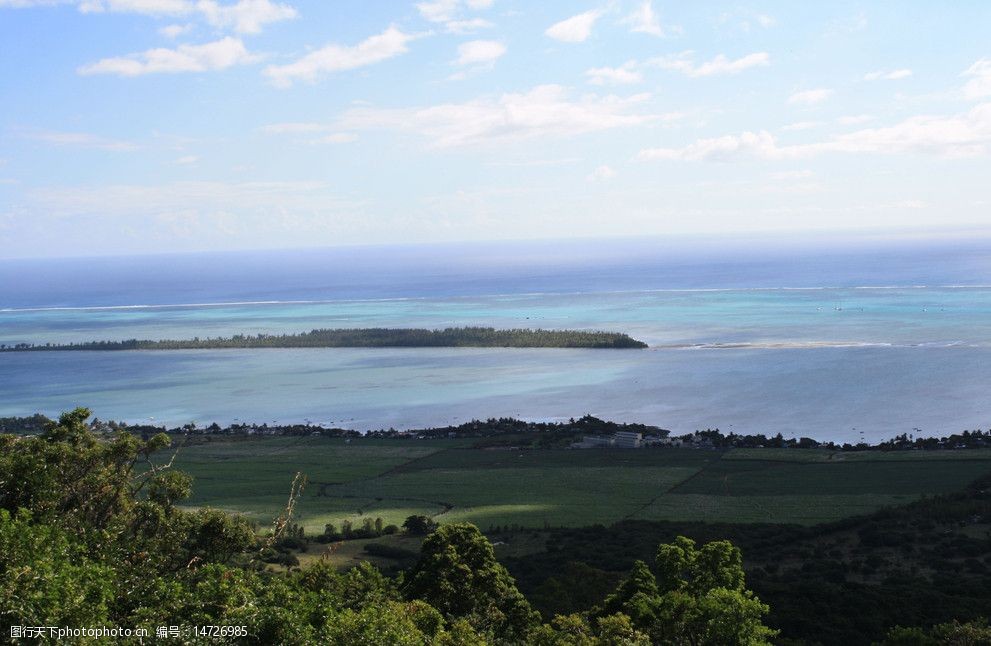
x=67, y=477
x=458, y=574
x=703, y=599
x=46, y=577
x=92, y=533
x=697, y=596
x=575, y=630
x=618, y=630
x=387, y=624
x=419, y=525
x=637, y=596
x=900, y=636
x=976, y=633
x=564, y=630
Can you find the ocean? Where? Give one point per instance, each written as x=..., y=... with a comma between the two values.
x=827, y=338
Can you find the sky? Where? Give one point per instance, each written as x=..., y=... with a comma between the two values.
x=149, y=126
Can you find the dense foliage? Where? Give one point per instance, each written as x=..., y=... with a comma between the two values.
x=475, y=337
x=24, y=425
x=845, y=582
x=509, y=431
x=91, y=535
x=976, y=439
x=953, y=633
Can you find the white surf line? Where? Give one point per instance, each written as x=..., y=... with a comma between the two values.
x=811, y=345
x=687, y=290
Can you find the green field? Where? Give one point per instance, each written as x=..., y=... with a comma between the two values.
x=393, y=479
x=823, y=455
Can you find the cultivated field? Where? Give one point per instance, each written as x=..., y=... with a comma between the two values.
x=393, y=479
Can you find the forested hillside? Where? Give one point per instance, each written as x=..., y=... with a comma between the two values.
x=92, y=535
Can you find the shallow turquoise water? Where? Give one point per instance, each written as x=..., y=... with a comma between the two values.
x=834, y=316
x=862, y=359
x=835, y=393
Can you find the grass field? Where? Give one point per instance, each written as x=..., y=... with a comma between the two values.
x=393, y=479
x=822, y=455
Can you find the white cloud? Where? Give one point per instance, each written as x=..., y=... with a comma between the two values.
x=187, y=160
x=533, y=163
x=965, y=135
x=644, y=20
x=148, y=7
x=575, y=29
x=849, y=25
x=479, y=52
x=27, y=4
x=802, y=125
x=450, y=12
x=80, y=139
x=246, y=16
x=338, y=58
x=893, y=75
x=439, y=10
x=601, y=173
x=979, y=85
x=725, y=148
x=854, y=119
x=337, y=138
x=205, y=212
x=294, y=128
x=787, y=175
x=632, y=71
x=744, y=20
x=328, y=132
x=719, y=65
x=218, y=55
x=243, y=16
x=625, y=74
x=546, y=110
x=467, y=26
x=810, y=97
x=125, y=199
x=174, y=31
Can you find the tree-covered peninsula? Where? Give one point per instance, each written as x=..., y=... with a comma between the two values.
x=452, y=337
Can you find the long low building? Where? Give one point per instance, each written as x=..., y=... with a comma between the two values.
x=620, y=440
x=627, y=440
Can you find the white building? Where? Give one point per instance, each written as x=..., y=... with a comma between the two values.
x=627, y=440
x=594, y=442
x=621, y=440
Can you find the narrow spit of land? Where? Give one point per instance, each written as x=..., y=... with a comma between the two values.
x=467, y=337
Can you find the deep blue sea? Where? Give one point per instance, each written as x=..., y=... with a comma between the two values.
x=828, y=338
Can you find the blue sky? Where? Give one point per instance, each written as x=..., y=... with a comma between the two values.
x=143, y=126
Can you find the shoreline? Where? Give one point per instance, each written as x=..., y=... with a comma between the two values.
x=452, y=337
x=521, y=434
